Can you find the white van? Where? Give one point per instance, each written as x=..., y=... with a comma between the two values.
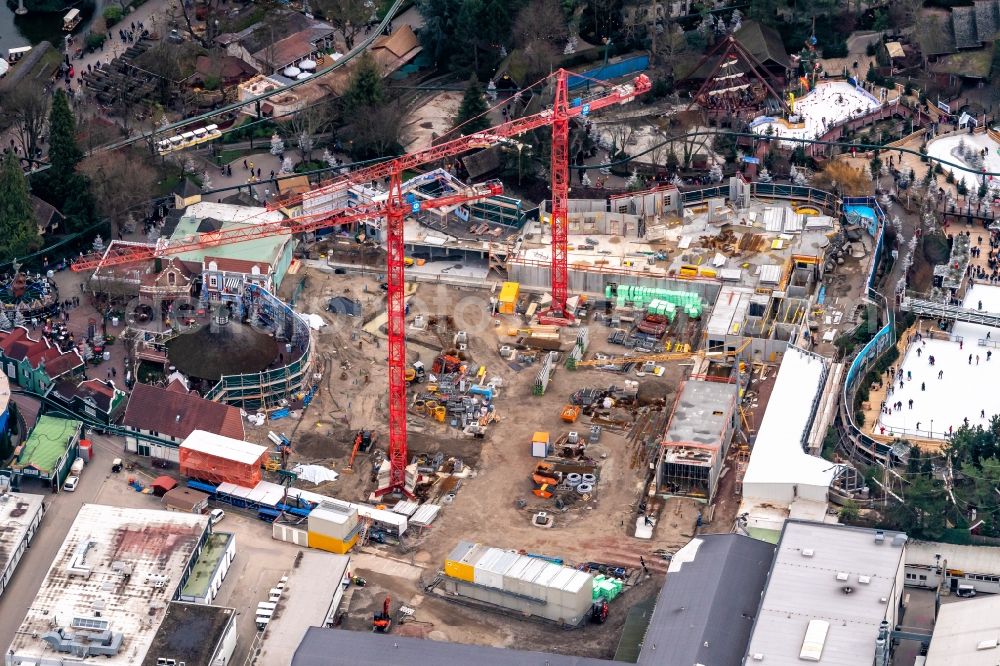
x=966, y=590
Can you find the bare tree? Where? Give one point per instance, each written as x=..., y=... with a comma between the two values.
x=27, y=106
x=541, y=21
x=621, y=134
x=119, y=182
x=306, y=125
x=347, y=16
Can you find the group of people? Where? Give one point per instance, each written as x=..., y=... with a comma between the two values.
x=991, y=273
x=894, y=375
x=129, y=36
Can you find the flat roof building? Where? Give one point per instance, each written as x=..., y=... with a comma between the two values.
x=966, y=633
x=928, y=561
x=20, y=515
x=109, y=586
x=193, y=635
x=829, y=594
x=697, y=439
x=706, y=607
x=782, y=480
x=311, y=598
x=49, y=451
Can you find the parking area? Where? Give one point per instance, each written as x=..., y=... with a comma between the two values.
x=259, y=564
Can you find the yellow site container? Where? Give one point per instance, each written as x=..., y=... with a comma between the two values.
x=508, y=297
x=461, y=562
x=540, y=436
x=331, y=544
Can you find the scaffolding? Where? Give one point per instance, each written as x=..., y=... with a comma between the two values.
x=270, y=388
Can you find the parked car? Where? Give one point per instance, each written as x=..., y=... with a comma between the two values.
x=70, y=484
x=216, y=516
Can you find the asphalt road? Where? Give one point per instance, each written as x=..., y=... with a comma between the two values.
x=61, y=511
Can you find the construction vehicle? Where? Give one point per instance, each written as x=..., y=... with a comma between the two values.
x=599, y=611
x=446, y=364
x=570, y=413
x=394, y=208
x=382, y=622
x=416, y=373
x=363, y=441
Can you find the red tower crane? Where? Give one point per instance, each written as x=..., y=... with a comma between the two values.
x=394, y=209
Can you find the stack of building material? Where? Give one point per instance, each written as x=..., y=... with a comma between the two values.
x=606, y=588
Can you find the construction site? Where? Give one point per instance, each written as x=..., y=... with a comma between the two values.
x=532, y=412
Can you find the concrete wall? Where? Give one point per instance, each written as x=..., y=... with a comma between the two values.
x=593, y=282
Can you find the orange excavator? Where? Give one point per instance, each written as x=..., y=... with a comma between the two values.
x=363, y=441
x=382, y=622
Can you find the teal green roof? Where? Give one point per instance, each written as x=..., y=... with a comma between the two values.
x=47, y=443
x=258, y=249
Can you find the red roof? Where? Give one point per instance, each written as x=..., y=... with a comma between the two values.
x=177, y=414
x=18, y=345
x=237, y=265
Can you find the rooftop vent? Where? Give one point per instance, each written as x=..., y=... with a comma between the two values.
x=758, y=656
x=808, y=552
x=842, y=576
x=847, y=589
x=899, y=540
x=879, y=536
x=865, y=580
x=988, y=644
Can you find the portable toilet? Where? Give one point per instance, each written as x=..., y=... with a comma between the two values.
x=540, y=444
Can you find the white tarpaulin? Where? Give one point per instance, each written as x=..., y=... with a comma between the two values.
x=315, y=321
x=315, y=473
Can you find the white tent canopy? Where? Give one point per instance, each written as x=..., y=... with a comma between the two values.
x=307, y=65
x=780, y=470
x=292, y=72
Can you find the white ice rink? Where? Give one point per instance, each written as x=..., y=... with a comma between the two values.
x=827, y=104
x=941, y=149
x=963, y=391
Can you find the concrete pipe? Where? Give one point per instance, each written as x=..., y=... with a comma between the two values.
x=585, y=488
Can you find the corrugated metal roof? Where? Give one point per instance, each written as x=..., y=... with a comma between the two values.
x=405, y=508
x=970, y=559
x=793, y=222
x=226, y=448
x=770, y=273
x=425, y=515
x=774, y=219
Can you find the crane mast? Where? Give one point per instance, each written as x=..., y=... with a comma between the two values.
x=394, y=209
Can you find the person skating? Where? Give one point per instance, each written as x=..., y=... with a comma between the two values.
x=970, y=359
x=923, y=387
x=940, y=374
x=911, y=403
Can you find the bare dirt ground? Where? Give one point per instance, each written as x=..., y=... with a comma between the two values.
x=486, y=508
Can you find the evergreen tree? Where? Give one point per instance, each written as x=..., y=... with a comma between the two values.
x=18, y=231
x=366, y=88
x=64, y=154
x=472, y=116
